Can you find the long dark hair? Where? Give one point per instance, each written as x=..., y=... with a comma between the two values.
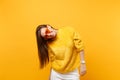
x=42, y=47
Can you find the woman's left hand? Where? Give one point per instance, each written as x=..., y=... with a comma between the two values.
x=82, y=69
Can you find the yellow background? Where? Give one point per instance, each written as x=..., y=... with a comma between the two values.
x=98, y=22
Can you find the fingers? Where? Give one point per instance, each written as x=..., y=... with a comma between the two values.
x=82, y=73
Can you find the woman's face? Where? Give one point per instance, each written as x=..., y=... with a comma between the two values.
x=48, y=32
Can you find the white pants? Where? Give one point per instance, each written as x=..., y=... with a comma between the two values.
x=74, y=75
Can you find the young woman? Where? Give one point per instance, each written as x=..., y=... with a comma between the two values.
x=63, y=48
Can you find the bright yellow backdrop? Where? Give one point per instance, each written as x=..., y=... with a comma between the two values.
x=98, y=22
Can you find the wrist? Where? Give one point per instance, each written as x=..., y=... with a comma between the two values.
x=82, y=62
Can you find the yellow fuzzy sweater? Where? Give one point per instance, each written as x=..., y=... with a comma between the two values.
x=64, y=50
